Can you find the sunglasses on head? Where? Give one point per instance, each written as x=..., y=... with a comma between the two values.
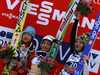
x=41, y=53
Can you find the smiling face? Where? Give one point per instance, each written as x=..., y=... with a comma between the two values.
x=46, y=45
x=26, y=37
x=78, y=45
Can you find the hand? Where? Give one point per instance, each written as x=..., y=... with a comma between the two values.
x=77, y=15
x=24, y=70
x=85, y=57
x=13, y=73
x=44, y=72
x=6, y=60
x=19, y=64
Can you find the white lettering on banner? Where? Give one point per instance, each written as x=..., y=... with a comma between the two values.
x=13, y=5
x=44, y=5
x=86, y=22
x=57, y=13
x=10, y=15
x=45, y=8
x=96, y=2
x=32, y=9
x=48, y=9
x=43, y=17
x=44, y=20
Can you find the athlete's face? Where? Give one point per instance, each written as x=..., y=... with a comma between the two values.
x=78, y=45
x=26, y=37
x=46, y=45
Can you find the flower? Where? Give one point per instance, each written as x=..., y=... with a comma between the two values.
x=50, y=62
x=84, y=1
x=6, y=51
x=88, y=5
x=3, y=49
x=84, y=7
x=46, y=64
x=41, y=59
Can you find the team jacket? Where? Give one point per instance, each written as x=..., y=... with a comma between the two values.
x=24, y=71
x=72, y=62
x=55, y=70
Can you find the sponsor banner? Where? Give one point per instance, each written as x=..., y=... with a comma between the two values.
x=46, y=16
x=94, y=60
x=5, y=35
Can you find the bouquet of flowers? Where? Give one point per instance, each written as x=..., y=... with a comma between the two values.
x=46, y=64
x=84, y=7
x=6, y=51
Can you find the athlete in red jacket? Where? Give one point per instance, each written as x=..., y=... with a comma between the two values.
x=25, y=49
x=39, y=55
x=55, y=70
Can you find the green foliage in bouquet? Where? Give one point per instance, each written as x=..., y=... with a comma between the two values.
x=84, y=7
x=46, y=64
x=6, y=51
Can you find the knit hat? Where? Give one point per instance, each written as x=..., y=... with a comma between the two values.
x=83, y=38
x=6, y=51
x=30, y=30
